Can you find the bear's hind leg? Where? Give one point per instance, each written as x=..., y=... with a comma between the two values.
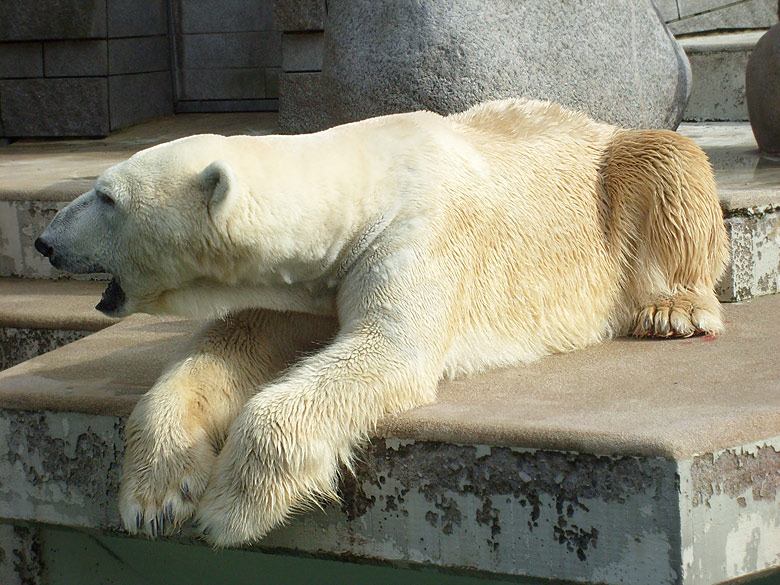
x=682, y=245
x=666, y=188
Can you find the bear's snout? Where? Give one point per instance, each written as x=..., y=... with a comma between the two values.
x=44, y=247
x=63, y=258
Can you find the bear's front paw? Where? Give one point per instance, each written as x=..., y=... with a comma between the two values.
x=166, y=468
x=266, y=471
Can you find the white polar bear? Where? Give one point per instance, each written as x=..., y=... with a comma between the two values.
x=418, y=246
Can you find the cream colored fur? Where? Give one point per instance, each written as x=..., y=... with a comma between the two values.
x=388, y=253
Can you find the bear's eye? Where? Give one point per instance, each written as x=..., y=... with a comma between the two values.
x=104, y=197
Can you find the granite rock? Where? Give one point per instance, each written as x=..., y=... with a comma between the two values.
x=21, y=60
x=83, y=58
x=137, y=18
x=302, y=106
x=614, y=59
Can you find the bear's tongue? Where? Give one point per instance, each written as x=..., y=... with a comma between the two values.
x=113, y=298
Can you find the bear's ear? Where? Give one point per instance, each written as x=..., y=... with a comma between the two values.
x=217, y=181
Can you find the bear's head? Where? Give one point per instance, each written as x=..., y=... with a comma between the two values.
x=158, y=223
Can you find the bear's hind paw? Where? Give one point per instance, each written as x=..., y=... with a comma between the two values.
x=676, y=317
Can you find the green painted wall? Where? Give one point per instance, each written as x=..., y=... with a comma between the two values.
x=74, y=558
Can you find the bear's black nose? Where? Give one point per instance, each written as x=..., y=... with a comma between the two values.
x=43, y=247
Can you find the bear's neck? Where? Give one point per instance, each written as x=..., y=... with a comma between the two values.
x=316, y=202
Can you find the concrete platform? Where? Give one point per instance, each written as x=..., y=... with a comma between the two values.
x=58, y=170
x=630, y=462
x=43, y=304
x=718, y=62
x=749, y=192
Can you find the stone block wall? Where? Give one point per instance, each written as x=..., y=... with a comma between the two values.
x=87, y=67
x=228, y=56
x=301, y=23
x=82, y=67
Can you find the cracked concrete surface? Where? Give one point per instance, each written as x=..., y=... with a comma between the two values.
x=731, y=523
x=492, y=510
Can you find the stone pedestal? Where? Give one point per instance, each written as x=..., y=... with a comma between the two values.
x=762, y=81
x=614, y=59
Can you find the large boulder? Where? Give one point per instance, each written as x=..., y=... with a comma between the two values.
x=614, y=59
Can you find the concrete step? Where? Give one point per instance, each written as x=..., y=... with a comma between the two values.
x=749, y=191
x=37, y=316
x=685, y=17
x=718, y=62
x=37, y=178
x=633, y=461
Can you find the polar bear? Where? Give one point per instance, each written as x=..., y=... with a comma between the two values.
x=346, y=272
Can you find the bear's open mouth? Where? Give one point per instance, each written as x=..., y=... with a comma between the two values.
x=113, y=298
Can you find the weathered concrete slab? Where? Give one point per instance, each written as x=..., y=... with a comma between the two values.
x=18, y=345
x=577, y=467
x=749, y=190
x=742, y=484
x=718, y=64
x=20, y=561
x=589, y=401
x=38, y=316
x=44, y=304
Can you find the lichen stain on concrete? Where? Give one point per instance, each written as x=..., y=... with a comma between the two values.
x=79, y=465
x=441, y=472
x=755, y=256
x=733, y=472
x=26, y=556
x=19, y=345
